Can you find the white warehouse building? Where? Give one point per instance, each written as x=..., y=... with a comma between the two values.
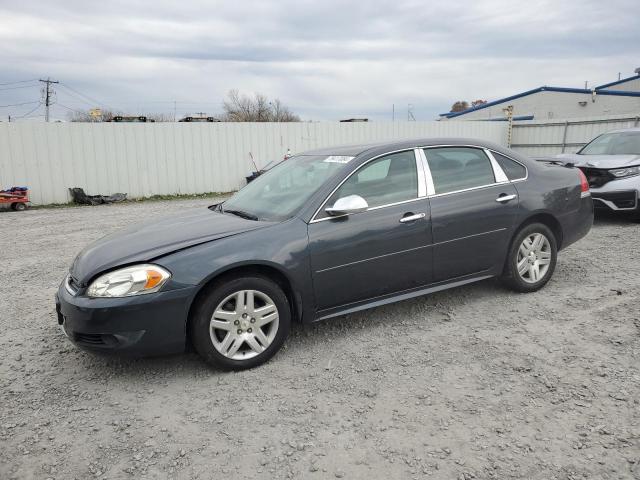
x=616, y=98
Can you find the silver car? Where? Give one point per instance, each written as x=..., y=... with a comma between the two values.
x=611, y=163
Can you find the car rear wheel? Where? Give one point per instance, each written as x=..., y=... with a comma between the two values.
x=531, y=259
x=241, y=323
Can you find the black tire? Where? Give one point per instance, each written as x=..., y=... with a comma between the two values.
x=19, y=206
x=510, y=276
x=199, y=326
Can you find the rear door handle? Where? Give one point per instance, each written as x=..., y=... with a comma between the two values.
x=412, y=217
x=505, y=198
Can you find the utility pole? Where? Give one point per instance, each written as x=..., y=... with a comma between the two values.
x=48, y=92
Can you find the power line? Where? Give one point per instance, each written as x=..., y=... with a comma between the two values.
x=69, y=108
x=30, y=111
x=79, y=98
x=18, y=104
x=19, y=81
x=86, y=96
x=15, y=88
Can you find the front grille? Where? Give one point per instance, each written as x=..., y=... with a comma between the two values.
x=89, y=338
x=95, y=339
x=624, y=199
x=597, y=177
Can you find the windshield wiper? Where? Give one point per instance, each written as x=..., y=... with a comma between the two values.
x=241, y=213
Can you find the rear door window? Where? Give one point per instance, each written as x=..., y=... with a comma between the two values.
x=459, y=168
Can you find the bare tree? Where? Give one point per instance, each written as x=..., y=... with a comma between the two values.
x=108, y=115
x=477, y=103
x=243, y=108
x=459, y=106
x=89, y=116
x=160, y=117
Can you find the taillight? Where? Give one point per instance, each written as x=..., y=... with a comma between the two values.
x=584, y=183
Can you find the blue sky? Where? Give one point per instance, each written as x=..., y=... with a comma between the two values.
x=325, y=59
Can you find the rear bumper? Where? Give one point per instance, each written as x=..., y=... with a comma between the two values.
x=143, y=325
x=579, y=223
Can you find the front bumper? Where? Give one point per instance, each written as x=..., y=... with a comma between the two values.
x=617, y=195
x=619, y=200
x=140, y=325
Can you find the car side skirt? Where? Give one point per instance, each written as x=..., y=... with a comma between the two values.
x=405, y=295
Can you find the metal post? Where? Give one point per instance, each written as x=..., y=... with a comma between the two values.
x=564, y=135
x=509, y=112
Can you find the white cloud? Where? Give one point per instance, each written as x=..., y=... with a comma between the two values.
x=327, y=59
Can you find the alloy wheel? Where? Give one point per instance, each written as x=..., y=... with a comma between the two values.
x=244, y=324
x=534, y=258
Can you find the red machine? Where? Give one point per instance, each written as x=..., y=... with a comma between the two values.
x=17, y=197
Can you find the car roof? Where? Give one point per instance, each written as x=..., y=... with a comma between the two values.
x=381, y=147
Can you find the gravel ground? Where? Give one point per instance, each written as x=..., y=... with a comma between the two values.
x=475, y=382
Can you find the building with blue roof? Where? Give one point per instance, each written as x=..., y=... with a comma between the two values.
x=621, y=97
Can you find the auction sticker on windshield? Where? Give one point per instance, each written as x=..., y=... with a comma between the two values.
x=338, y=159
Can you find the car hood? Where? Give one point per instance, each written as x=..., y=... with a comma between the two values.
x=599, y=161
x=144, y=242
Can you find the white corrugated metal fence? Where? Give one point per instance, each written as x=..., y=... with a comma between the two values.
x=147, y=159
x=550, y=137
x=144, y=159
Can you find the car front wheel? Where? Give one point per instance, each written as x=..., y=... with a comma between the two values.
x=241, y=323
x=531, y=259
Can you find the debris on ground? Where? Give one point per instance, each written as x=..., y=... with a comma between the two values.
x=78, y=196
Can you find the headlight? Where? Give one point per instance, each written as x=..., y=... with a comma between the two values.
x=125, y=282
x=625, y=172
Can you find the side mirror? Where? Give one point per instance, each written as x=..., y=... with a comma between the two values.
x=347, y=205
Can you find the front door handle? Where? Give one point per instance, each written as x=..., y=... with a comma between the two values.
x=412, y=217
x=505, y=198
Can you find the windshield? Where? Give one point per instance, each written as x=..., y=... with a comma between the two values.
x=619, y=143
x=279, y=193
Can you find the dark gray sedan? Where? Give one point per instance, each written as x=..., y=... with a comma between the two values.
x=323, y=234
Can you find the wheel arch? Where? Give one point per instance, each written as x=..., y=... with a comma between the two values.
x=545, y=218
x=247, y=269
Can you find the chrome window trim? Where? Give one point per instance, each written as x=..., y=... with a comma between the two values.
x=425, y=179
x=427, y=171
x=420, y=167
x=526, y=170
x=316, y=220
x=469, y=189
x=420, y=179
x=498, y=173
